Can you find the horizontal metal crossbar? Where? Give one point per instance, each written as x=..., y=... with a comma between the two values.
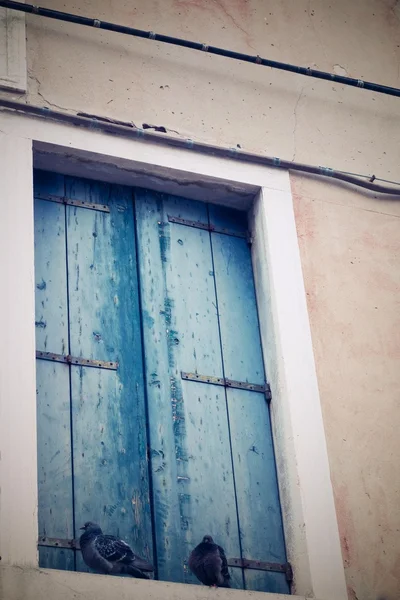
x=71, y=202
x=77, y=360
x=242, y=563
x=239, y=385
x=208, y=227
x=260, y=565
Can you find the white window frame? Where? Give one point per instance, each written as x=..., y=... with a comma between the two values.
x=309, y=516
x=12, y=30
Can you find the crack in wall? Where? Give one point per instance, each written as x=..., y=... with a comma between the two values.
x=106, y=119
x=32, y=77
x=221, y=6
x=395, y=9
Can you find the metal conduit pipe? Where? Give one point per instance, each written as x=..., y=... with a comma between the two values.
x=128, y=130
x=166, y=39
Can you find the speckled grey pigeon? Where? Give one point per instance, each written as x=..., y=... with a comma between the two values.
x=208, y=562
x=108, y=555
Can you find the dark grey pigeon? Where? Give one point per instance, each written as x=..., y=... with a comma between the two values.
x=108, y=555
x=208, y=562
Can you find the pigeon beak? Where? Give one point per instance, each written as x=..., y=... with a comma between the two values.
x=80, y=528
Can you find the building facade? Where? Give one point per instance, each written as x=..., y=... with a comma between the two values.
x=301, y=293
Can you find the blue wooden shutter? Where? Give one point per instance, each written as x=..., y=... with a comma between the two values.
x=212, y=461
x=213, y=468
x=91, y=421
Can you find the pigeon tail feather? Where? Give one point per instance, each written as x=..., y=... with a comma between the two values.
x=130, y=570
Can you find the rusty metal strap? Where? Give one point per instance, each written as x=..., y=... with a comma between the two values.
x=243, y=563
x=259, y=565
x=77, y=360
x=208, y=227
x=71, y=202
x=230, y=383
x=59, y=543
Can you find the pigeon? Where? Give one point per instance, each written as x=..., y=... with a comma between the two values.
x=208, y=562
x=108, y=555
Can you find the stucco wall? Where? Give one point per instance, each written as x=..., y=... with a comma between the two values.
x=223, y=101
x=349, y=241
x=350, y=248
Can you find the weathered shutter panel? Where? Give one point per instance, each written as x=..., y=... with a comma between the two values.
x=92, y=440
x=56, y=517
x=258, y=503
x=211, y=448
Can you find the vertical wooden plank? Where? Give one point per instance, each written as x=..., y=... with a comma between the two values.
x=191, y=461
x=237, y=309
x=109, y=419
x=93, y=272
x=107, y=488
x=51, y=318
x=53, y=395
x=207, y=498
x=153, y=243
x=54, y=460
x=252, y=448
x=190, y=283
x=254, y=465
x=256, y=487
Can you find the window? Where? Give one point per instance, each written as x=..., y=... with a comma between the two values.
x=153, y=417
x=12, y=50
